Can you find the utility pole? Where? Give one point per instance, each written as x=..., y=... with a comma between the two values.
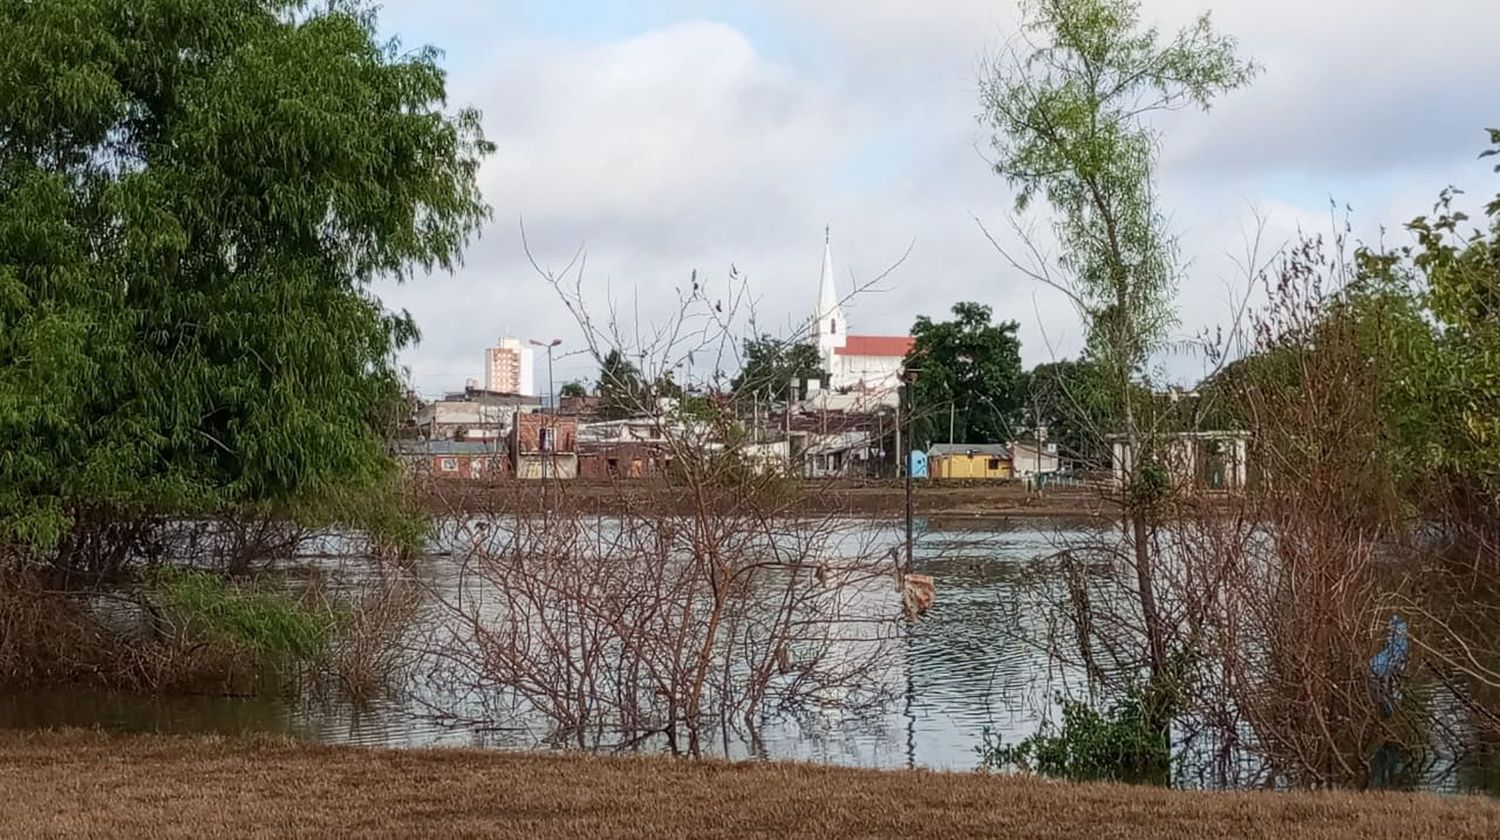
x=911, y=377
x=548, y=442
x=1040, y=433
x=900, y=467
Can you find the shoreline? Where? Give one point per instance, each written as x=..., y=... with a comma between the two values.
x=77, y=783
x=955, y=501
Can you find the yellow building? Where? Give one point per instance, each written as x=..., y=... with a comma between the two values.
x=969, y=461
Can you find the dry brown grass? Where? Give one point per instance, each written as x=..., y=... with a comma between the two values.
x=90, y=785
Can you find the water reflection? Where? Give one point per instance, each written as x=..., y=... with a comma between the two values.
x=966, y=666
x=955, y=672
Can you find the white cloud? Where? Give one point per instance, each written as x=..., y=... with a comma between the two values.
x=688, y=147
x=679, y=149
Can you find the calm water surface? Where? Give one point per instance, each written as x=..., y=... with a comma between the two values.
x=962, y=668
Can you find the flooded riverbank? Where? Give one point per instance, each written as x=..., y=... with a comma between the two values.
x=975, y=661
x=958, y=670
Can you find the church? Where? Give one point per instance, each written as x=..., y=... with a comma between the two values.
x=867, y=366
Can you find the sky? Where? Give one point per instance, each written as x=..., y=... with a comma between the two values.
x=646, y=145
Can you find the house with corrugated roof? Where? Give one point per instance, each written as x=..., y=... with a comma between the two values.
x=969, y=461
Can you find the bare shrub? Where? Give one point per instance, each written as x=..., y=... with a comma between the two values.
x=712, y=603
x=1308, y=608
x=371, y=651
x=613, y=629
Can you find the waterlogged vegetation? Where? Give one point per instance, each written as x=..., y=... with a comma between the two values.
x=1116, y=744
x=267, y=623
x=198, y=390
x=194, y=201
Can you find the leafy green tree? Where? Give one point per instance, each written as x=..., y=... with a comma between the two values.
x=1425, y=315
x=1072, y=399
x=771, y=365
x=968, y=376
x=622, y=392
x=1461, y=267
x=573, y=390
x=666, y=387
x=1070, y=127
x=194, y=201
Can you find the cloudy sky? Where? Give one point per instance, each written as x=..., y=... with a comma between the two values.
x=666, y=136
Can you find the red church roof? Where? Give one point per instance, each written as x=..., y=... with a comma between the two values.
x=875, y=345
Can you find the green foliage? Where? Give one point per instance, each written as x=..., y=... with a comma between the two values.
x=622, y=392
x=1150, y=485
x=1462, y=273
x=1069, y=123
x=771, y=365
x=972, y=366
x=194, y=200
x=1416, y=330
x=1118, y=744
x=1074, y=401
x=574, y=390
x=263, y=623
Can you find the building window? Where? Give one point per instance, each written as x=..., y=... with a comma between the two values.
x=448, y=465
x=994, y=465
x=547, y=438
x=833, y=326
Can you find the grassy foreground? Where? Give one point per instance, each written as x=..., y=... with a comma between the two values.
x=89, y=785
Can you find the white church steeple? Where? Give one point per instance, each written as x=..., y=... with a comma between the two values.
x=829, y=324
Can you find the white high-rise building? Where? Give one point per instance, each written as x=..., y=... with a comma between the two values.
x=509, y=368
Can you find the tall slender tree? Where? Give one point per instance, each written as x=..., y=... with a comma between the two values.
x=622, y=392
x=1070, y=110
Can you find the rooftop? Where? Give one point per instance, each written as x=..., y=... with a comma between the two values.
x=450, y=447
x=991, y=450
x=876, y=345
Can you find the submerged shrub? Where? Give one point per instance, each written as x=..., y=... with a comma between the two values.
x=265, y=623
x=1117, y=744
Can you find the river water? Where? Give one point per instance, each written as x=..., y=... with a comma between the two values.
x=968, y=665
x=962, y=670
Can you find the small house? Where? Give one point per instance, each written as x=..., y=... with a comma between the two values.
x=544, y=446
x=622, y=460
x=1204, y=460
x=969, y=461
x=453, y=459
x=1029, y=458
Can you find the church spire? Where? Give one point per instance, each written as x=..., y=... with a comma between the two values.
x=830, y=315
x=828, y=327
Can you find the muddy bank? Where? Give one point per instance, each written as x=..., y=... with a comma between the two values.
x=875, y=499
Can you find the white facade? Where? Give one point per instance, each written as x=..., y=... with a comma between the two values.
x=1206, y=460
x=830, y=329
x=510, y=368
x=1029, y=458
x=866, y=373
x=855, y=363
x=476, y=421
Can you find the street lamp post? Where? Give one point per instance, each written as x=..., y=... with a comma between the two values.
x=910, y=377
x=548, y=442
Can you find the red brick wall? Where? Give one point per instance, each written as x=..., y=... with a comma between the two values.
x=528, y=433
